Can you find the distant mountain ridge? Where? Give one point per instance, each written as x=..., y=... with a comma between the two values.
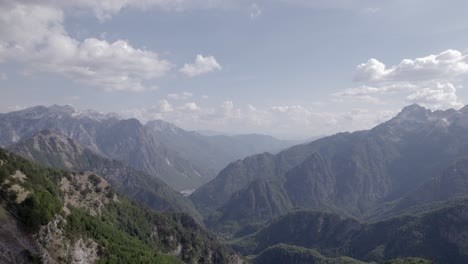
x=347, y=173
x=122, y=139
x=214, y=152
x=183, y=159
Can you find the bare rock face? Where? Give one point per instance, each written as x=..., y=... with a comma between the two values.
x=87, y=191
x=57, y=248
x=85, y=251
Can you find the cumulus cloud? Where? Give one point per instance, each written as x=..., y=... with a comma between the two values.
x=202, y=65
x=190, y=107
x=441, y=95
x=429, y=81
x=34, y=35
x=164, y=106
x=447, y=64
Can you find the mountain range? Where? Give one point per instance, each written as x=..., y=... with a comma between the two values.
x=184, y=160
x=52, y=149
x=353, y=174
x=396, y=193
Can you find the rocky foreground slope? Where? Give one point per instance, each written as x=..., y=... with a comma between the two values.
x=54, y=216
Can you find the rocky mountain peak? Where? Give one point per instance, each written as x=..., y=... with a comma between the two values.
x=60, y=111
x=464, y=109
x=413, y=116
x=95, y=115
x=414, y=112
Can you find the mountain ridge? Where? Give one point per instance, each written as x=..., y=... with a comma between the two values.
x=350, y=173
x=53, y=149
x=184, y=160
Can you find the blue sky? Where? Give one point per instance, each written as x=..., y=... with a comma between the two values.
x=287, y=68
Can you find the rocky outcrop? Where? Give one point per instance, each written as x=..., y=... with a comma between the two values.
x=58, y=248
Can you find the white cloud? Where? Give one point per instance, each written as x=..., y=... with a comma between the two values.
x=227, y=106
x=370, y=90
x=164, y=106
x=190, y=107
x=179, y=96
x=429, y=81
x=445, y=65
x=373, y=94
x=441, y=96
x=34, y=35
x=372, y=70
x=202, y=65
x=3, y=76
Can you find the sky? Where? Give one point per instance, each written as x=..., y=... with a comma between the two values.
x=288, y=68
